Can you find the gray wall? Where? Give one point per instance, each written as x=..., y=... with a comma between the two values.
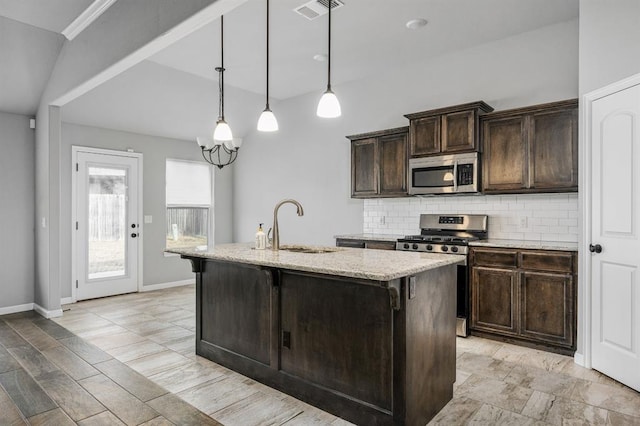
x=609, y=37
x=158, y=268
x=309, y=158
x=17, y=187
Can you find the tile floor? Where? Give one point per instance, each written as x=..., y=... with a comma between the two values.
x=130, y=360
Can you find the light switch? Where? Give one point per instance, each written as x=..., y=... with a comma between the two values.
x=44, y=222
x=148, y=219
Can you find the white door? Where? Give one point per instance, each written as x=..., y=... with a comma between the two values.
x=615, y=237
x=107, y=228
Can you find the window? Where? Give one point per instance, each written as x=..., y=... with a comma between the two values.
x=188, y=194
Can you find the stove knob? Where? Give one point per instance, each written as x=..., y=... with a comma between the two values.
x=429, y=247
x=445, y=248
x=415, y=247
x=454, y=249
x=406, y=246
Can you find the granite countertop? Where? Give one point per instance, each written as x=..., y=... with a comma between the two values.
x=376, y=265
x=370, y=237
x=523, y=244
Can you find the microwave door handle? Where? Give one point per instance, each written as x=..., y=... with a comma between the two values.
x=455, y=176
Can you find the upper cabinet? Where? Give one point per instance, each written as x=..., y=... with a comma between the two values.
x=533, y=149
x=379, y=163
x=446, y=130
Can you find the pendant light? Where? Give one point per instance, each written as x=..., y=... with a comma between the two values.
x=329, y=106
x=267, y=121
x=222, y=132
x=223, y=149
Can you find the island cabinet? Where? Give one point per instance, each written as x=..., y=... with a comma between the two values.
x=379, y=164
x=372, y=352
x=533, y=149
x=445, y=130
x=524, y=296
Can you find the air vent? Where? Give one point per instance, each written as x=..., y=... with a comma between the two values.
x=317, y=8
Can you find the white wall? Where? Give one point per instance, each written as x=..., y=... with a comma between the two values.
x=309, y=158
x=158, y=269
x=17, y=209
x=529, y=217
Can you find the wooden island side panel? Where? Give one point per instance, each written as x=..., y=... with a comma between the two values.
x=373, y=353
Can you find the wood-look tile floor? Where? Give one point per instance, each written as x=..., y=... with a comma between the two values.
x=130, y=360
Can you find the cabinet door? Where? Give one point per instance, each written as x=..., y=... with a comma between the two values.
x=547, y=307
x=364, y=168
x=339, y=335
x=494, y=299
x=505, y=155
x=393, y=164
x=553, y=148
x=458, y=132
x=425, y=136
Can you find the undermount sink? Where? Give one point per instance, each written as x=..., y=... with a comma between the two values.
x=310, y=249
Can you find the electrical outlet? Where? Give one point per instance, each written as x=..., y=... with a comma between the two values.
x=524, y=222
x=382, y=220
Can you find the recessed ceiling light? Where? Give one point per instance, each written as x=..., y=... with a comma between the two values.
x=320, y=57
x=416, y=24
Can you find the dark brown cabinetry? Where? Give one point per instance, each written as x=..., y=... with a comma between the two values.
x=372, y=352
x=370, y=244
x=379, y=163
x=445, y=130
x=533, y=149
x=525, y=296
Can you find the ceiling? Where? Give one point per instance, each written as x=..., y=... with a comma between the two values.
x=369, y=37
x=30, y=42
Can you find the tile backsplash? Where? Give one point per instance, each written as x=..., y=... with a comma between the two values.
x=531, y=217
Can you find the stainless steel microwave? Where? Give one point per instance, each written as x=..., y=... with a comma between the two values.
x=444, y=174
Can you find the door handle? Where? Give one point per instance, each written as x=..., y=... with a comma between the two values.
x=134, y=235
x=595, y=248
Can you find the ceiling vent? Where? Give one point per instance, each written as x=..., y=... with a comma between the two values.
x=317, y=8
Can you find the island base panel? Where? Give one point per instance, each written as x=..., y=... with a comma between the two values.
x=344, y=345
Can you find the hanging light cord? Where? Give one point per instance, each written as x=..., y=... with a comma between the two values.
x=329, y=52
x=267, y=54
x=220, y=70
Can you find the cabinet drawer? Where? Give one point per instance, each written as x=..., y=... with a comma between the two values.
x=495, y=257
x=341, y=242
x=381, y=245
x=549, y=261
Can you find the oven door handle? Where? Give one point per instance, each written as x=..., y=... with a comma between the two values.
x=455, y=176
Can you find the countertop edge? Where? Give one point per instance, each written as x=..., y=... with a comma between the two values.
x=529, y=245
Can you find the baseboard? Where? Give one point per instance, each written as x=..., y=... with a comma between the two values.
x=578, y=359
x=17, y=308
x=66, y=300
x=45, y=313
x=162, y=286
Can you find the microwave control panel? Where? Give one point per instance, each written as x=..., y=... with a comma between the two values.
x=465, y=174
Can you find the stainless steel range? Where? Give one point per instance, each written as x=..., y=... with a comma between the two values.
x=449, y=234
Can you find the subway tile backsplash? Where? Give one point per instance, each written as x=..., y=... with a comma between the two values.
x=531, y=217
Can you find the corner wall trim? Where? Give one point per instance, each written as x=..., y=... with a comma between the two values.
x=17, y=308
x=579, y=359
x=45, y=313
x=161, y=286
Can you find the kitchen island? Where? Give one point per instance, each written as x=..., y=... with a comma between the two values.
x=368, y=335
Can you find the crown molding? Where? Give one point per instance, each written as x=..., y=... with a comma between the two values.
x=97, y=8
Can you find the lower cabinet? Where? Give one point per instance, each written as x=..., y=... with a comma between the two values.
x=370, y=244
x=524, y=296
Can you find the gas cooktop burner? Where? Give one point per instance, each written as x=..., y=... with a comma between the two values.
x=445, y=234
x=437, y=239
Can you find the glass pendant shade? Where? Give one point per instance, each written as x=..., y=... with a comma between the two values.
x=222, y=132
x=329, y=106
x=267, y=121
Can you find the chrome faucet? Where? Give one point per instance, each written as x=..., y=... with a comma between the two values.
x=275, y=245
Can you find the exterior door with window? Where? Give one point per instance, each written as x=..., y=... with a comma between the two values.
x=615, y=233
x=107, y=223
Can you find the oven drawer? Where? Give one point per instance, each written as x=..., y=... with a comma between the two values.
x=494, y=257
